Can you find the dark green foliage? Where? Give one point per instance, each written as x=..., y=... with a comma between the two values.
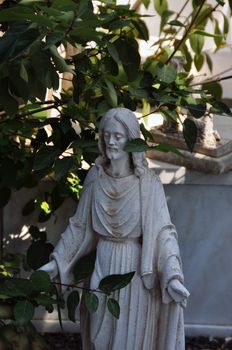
x=84, y=266
x=113, y=307
x=114, y=282
x=72, y=303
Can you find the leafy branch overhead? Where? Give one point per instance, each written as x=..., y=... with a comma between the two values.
x=102, y=68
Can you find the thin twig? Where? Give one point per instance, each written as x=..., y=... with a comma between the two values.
x=76, y=286
x=185, y=36
x=212, y=81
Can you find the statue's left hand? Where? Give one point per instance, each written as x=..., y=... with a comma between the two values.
x=178, y=292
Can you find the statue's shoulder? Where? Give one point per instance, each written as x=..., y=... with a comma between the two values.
x=151, y=177
x=92, y=175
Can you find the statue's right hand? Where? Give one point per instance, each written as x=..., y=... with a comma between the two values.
x=51, y=268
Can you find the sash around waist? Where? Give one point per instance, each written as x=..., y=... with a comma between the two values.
x=126, y=240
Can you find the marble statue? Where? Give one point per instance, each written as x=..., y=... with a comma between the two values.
x=123, y=213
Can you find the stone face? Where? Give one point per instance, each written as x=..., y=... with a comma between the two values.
x=123, y=213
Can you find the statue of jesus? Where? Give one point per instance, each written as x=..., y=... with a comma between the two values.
x=123, y=214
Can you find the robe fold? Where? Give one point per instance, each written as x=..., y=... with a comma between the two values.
x=127, y=221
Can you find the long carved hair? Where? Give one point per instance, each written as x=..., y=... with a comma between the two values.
x=129, y=121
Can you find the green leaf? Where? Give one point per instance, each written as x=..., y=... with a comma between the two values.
x=115, y=282
x=5, y=194
x=226, y=26
x=146, y=3
x=221, y=107
x=23, y=312
x=220, y=2
x=209, y=62
x=214, y=89
x=41, y=281
x=91, y=302
x=21, y=13
x=110, y=66
x=113, y=307
x=218, y=39
x=7, y=102
x=113, y=52
x=176, y=23
x=230, y=3
x=136, y=145
x=164, y=20
x=199, y=61
x=197, y=110
x=171, y=115
x=17, y=287
x=84, y=266
x=141, y=28
x=110, y=93
x=72, y=303
x=129, y=56
x=146, y=134
x=45, y=300
x=166, y=74
x=63, y=166
x=23, y=72
x=59, y=61
x=163, y=147
x=190, y=133
x=161, y=6
x=29, y=207
x=197, y=43
x=203, y=33
x=45, y=157
x=52, y=39
x=38, y=254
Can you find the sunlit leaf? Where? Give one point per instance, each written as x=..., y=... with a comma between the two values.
x=197, y=43
x=176, y=23
x=209, y=62
x=161, y=6
x=166, y=74
x=199, y=61
x=203, y=33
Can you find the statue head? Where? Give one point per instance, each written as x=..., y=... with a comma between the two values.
x=130, y=123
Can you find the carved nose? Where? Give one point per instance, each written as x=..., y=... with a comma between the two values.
x=111, y=140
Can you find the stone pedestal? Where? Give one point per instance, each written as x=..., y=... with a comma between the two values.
x=214, y=160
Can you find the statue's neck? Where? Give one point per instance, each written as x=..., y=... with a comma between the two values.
x=120, y=167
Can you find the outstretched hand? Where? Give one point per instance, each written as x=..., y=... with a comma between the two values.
x=178, y=292
x=51, y=268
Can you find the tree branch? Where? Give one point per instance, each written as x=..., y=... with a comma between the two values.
x=185, y=36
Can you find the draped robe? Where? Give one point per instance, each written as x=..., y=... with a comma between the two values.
x=127, y=220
